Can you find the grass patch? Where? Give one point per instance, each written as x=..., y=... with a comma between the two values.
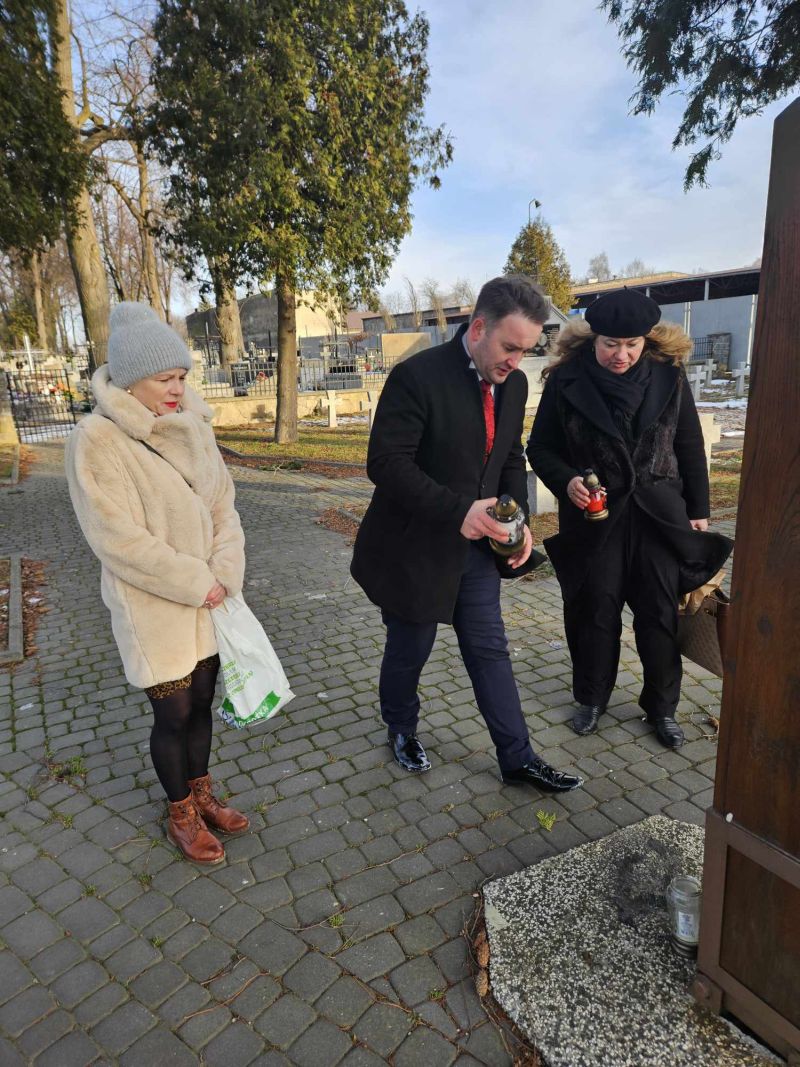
x=726, y=473
x=340, y=445
x=74, y=767
x=8, y=454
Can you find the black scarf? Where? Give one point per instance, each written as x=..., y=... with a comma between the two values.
x=623, y=393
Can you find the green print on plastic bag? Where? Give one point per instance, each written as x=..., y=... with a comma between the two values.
x=235, y=677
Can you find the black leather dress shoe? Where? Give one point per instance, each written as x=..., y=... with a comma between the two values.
x=408, y=752
x=543, y=776
x=584, y=721
x=668, y=731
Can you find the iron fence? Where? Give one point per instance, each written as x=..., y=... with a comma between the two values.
x=43, y=403
x=716, y=346
x=258, y=375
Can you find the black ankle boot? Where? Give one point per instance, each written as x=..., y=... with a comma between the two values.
x=584, y=721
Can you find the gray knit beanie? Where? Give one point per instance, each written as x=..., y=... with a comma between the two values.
x=140, y=344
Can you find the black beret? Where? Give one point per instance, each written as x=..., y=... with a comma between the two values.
x=623, y=313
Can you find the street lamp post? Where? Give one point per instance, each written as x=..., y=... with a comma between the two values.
x=535, y=203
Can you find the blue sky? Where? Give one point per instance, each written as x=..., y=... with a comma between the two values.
x=536, y=96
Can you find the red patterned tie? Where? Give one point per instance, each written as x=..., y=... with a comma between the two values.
x=488, y=415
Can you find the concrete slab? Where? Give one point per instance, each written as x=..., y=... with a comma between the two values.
x=581, y=960
x=14, y=652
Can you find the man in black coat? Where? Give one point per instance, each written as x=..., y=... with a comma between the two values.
x=445, y=443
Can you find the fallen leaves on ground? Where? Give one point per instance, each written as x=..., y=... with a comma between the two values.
x=5, y=595
x=337, y=520
x=33, y=602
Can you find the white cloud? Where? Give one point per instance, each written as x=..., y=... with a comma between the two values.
x=536, y=94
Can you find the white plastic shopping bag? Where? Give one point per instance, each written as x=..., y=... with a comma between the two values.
x=255, y=684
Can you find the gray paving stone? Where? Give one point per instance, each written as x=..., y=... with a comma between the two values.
x=311, y=976
x=416, y=980
x=237, y=1044
x=133, y=958
x=486, y=1046
x=362, y=1057
x=79, y=982
x=161, y=1047
x=25, y=1009
x=44, y=1033
x=87, y=919
x=427, y=893
x=203, y=900
x=345, y=1002
x=9, y=1056
x=253, y=1000
x=100, y=1004
x=158, y=983
x=14, y=977
x=75, y=1049
x=123, y=1027
x=383, y=1027
x=284, y=1021
x=376, y=956
x=272, y=948
x=419, y=935
x=30, y=933
x=321, y=1043
x=34, y=878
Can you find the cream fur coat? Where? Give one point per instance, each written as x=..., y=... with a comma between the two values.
x=162, y=544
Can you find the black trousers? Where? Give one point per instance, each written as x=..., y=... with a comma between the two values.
x=636, y=567
x=484, y=649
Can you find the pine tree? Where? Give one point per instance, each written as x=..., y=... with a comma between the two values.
x=536, y=253
x=727, y=58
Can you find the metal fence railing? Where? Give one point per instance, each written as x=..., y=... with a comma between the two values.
x=43, y=403
x=258, y=377
x=714, y=346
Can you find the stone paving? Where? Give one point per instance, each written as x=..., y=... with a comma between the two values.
x=333, y=934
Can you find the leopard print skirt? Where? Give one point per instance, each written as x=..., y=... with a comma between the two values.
x=166, y=689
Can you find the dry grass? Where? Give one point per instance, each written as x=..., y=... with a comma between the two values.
x=8, y=454
x=346, y=444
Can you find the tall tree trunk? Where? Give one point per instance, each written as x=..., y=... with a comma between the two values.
x=228, y=322
x=286, y=416
x=150, y=269
x=38, y=302
x=84, y=249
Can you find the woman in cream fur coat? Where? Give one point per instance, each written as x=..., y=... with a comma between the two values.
x=156, y=504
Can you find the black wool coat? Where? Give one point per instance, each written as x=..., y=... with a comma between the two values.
x=664, y=475
x=426, y=458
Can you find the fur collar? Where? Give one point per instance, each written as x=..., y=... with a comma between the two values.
x=133, y=418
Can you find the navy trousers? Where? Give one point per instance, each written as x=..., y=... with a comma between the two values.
x=484, y=649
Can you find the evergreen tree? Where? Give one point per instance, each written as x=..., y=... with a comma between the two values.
x=295, y=134
x=536, y=253
x=729, y=58
x=41, y=168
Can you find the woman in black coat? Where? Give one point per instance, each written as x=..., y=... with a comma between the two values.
x=616, y=400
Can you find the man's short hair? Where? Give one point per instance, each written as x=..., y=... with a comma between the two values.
x=511, y=294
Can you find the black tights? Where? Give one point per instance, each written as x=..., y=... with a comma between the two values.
x=180, y=740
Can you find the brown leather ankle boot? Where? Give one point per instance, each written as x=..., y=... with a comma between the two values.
x=226, y=820
x=186, y=830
